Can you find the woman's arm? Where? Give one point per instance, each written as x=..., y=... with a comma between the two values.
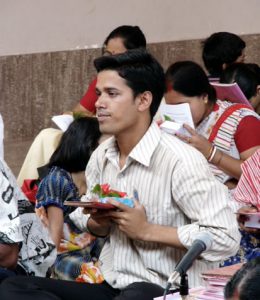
x=55, y=218
x=230, y=165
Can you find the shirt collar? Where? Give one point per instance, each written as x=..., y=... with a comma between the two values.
x=143, y=151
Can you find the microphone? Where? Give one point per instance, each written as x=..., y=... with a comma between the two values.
x=202, y=242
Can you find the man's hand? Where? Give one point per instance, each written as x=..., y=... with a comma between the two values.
x=241, y=218
x=131, y=221
x=99, y=223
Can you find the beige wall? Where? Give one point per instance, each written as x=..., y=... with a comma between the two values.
x=31, y=26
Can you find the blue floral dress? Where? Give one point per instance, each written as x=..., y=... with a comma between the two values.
x=53, y=190
x=249, y=249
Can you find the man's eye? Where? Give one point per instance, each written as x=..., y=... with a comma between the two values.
x=112, y=94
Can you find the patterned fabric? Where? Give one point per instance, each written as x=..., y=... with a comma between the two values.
x=164, y=171
x=69, y=265
x=249, y=249
x=248, y=188
x=19, y=224
x=76, y=247
x=55, y=188
x=224, y=139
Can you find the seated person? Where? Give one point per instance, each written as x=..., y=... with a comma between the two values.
x=144, y=242
x=121, y=39
x=247, y=193
x=247, y=76
x=244, y=284
x=66, y=181
x=220, y=50
x=25, y=245
x=224, y=149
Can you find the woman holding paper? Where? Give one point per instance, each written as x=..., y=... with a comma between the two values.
x=225, y=133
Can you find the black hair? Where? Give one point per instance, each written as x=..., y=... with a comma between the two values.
x=189, y=79
x=238, y=280
x=256, y=69
x=221, y=48
x=132, y=36
x=249, y=287
x=141, y=71
x=76, y=145
x=244, y=76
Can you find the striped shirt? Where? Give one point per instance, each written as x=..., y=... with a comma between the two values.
x=225, y=138
x=248, y=188
x=177, y=189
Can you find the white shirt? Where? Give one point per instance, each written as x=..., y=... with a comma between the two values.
x=177, y=189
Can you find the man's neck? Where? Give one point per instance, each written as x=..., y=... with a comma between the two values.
x=127, y=141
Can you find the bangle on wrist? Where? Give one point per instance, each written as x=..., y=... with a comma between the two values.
x=212, y=154
x=220, y=158
x=93, y=233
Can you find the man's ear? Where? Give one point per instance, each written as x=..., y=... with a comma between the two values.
x=258, y=90
x=144, y=101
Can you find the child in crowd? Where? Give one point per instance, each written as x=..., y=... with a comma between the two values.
x=65, y=181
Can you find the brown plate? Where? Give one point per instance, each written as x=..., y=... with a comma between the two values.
x=93, y=204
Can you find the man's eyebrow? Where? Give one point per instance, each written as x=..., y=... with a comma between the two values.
x=107, y=89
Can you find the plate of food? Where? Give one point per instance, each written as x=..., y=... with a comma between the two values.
x=90, y=204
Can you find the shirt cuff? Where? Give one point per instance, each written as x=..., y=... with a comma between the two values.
x=79, y=218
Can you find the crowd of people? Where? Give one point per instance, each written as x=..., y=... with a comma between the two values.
x=181, y=185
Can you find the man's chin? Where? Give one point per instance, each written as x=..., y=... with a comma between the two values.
x=105, y=129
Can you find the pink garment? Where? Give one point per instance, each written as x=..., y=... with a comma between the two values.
x=248, y=188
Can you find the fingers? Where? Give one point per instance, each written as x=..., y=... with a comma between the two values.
x=247, y=209
x=120, y=206
x=89, y=211
x=189, y=129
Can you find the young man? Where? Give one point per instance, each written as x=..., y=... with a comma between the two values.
x=119, y=40
x=178, y=195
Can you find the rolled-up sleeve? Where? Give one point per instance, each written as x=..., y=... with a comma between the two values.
x=205, y=201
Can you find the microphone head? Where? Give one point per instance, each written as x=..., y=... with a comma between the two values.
x=206, y=238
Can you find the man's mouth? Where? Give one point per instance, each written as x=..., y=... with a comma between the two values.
x=102, y=116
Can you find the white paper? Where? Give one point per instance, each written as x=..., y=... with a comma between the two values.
x=178, y=113
x=63, y=121
x=254, y=220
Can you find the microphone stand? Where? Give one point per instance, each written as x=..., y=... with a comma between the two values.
x=183, y=287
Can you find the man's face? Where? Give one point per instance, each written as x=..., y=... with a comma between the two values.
x=117, y=110
x=114, y=46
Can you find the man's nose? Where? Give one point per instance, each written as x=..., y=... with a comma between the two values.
x=100, y=101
